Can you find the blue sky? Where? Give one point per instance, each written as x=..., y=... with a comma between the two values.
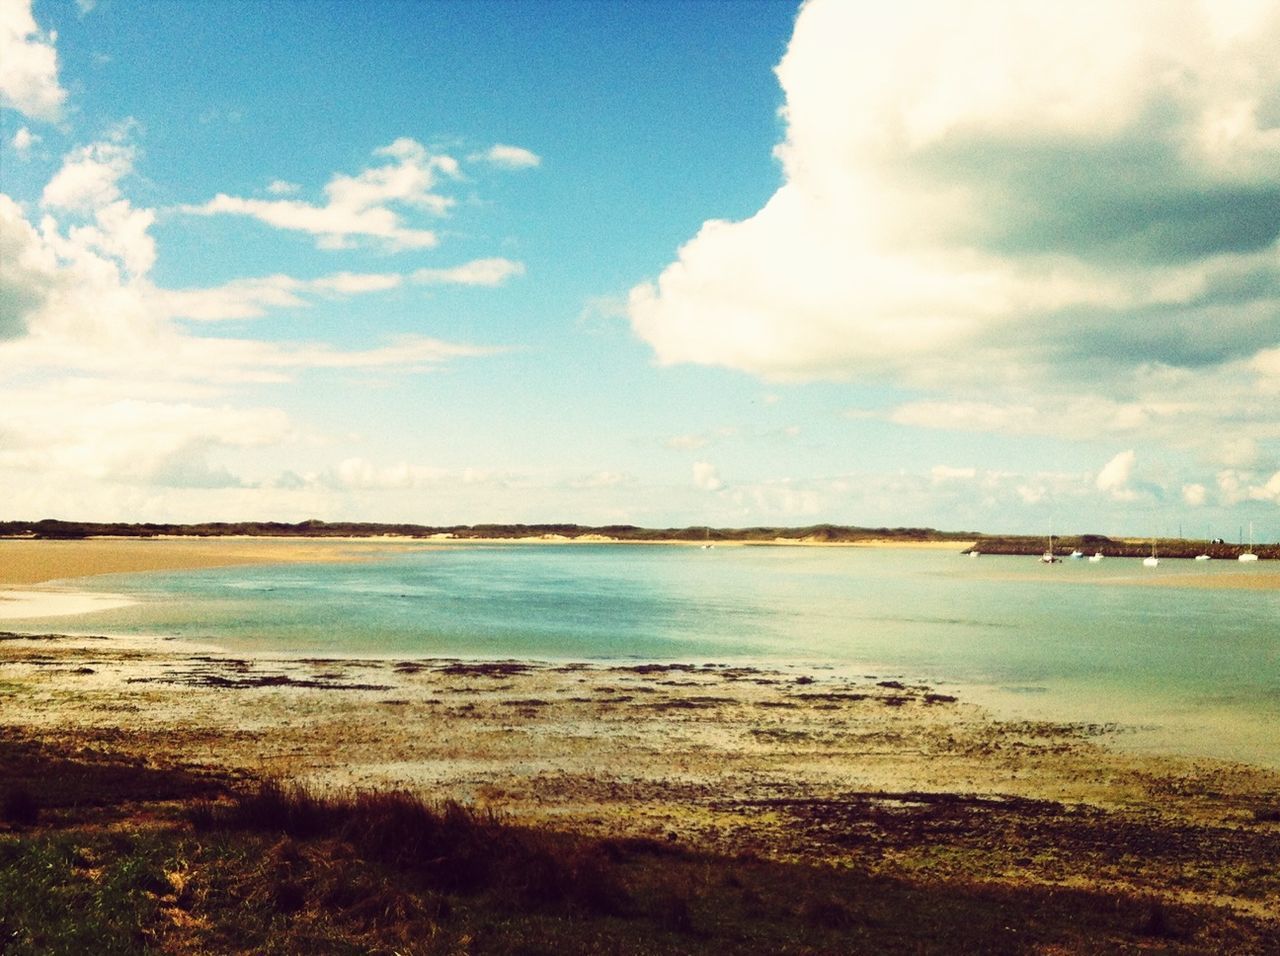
x=660, y=263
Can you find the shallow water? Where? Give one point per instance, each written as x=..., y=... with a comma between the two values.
x=1194, y=670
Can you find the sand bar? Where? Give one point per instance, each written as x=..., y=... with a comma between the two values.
x=29, y=561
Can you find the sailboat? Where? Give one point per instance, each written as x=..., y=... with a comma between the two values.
x=1205, y=555
x=1049, y=557
x=1153, y=561
x=1249, y=555
x=1096, y=557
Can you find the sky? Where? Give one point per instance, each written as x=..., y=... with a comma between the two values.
x=981, y=266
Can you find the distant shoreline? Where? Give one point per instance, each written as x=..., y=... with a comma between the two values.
x=818, y=534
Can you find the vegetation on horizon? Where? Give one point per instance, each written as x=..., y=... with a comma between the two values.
x=52, y=528
x=56, y=529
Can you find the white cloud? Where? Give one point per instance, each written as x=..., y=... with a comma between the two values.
x=1114, y=477
x=1236, y=487
x=479, y=272
x=360, y=206
x=101, y=385
x=1072, y=206
x=510, y=157
x=22, y=142
x=355, y=283
x=252, y=298
x=1194, y=495
x=125, y=439
x=89, y=177
x=28, y=64
x=278, y=187
x=706, y=476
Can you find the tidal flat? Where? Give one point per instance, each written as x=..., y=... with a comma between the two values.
x=703, y=790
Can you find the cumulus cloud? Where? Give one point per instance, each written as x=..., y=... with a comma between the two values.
x=1114, y=477
x=1044, y=199
x=28, y=64
x=22, y=142
x=364, y=206
x=1235, y=487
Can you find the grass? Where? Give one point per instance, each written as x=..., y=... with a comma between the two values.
x=165, y=863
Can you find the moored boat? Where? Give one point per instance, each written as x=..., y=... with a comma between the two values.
x=1049, y=557
x=1152, y=561
x=1249, y=555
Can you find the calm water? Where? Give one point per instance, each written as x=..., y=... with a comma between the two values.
x=1190, y=669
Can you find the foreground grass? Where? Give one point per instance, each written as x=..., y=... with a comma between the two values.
x=268, y=868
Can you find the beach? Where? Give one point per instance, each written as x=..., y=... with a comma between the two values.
x=891, y=778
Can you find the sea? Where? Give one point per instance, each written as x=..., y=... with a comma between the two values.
x=1193, y=670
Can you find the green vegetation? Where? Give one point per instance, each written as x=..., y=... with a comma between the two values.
x=172, y=861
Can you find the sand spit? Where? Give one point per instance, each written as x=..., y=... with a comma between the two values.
x=876, y=771
x=31, y=561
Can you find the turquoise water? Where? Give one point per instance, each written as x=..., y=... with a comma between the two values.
x=1191, y=669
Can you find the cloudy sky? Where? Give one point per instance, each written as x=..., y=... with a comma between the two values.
x=974, y=266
